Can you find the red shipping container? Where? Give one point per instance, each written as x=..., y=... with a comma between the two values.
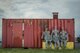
x=12, y=31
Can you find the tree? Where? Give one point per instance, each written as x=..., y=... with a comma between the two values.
x=78, y=38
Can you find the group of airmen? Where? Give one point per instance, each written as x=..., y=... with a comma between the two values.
x=59, y=38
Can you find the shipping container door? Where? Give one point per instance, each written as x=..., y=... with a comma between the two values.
x=28, y=34
x=17, y=33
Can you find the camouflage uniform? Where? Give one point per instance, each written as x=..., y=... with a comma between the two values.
x=63, y=38
x=55, y=38
x=47, y=37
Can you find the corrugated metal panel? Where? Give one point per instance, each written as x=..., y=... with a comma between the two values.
x=9, y=33
x=53, y=25
x=56, y=23
x=35, y=33
x=50, y=25
x=4, y=37
x=39, y=34
x=73, y=30
x=26, y=40
x=17, y=33
x=59, y=25
x=70, y=30
x=28, y=33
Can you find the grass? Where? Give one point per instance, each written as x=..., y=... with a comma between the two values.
x=22, y=50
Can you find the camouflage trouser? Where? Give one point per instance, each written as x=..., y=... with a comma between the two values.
x=56, y=43
x=47, y=43
x=64, y=43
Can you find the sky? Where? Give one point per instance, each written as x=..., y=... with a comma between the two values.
x=40, y=9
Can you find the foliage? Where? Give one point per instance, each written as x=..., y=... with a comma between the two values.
x=78, y=39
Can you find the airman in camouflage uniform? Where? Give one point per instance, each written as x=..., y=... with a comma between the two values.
x=55, y=37
x=63, y=38
x=47, y=37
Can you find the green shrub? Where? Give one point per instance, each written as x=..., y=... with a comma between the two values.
x=78, y=39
